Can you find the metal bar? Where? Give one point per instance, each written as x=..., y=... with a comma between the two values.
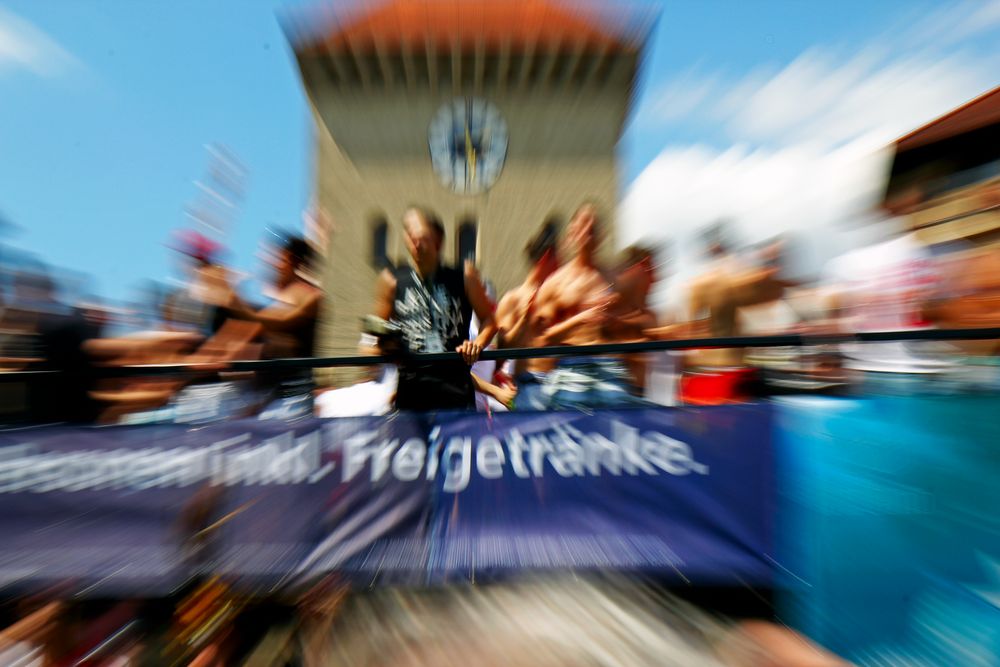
x=784, y=340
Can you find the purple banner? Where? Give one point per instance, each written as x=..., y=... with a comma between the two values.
x=683, y=494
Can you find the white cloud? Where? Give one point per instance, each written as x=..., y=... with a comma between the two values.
x=816, y=99
x=821, y=99
x=809, y=141
x=684, y=95
x=830, y=96
x=821, y=197
x=794, y=129
x=952, y=24
x=23, y=46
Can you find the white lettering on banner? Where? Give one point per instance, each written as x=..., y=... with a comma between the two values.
x=628, y=439
x=409, y=460
x=355, y=453
x=489, y=457
x=281, y=460
x=566, y=455
x=537, y=449
x=432, y=462
x=289, y=459
x=456, y=477
x=380, y=464
x=671, y=456
x=515, y=444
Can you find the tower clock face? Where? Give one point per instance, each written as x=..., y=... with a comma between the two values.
x=468, y=144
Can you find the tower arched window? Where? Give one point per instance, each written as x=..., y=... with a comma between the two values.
x=380, y=243
x=466, y=240
x=552, y=225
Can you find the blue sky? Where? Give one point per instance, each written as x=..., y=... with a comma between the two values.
x=722, y=43
x=106, y=106
x=777, y=116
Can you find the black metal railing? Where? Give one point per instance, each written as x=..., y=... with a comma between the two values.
x=780, y=340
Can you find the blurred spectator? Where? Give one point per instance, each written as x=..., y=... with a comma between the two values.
x=770, y=316
x=632, y=317
x=198, y=331
x=433, y=305
x=196, y=306
x=574, y=307
x=887, y=286
x=289, y=327
x=787, y=369
x=493, y=393
x=729, y=285
x=198, y=395
x=61, y=333
x=290, y=323
x=516, y=314
x=655, y=373
x=969, y=294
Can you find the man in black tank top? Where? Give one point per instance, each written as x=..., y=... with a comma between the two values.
x=433, y=306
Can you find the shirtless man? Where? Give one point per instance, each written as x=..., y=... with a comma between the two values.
x=515, y=310
x=516, y=313
x=967, y=296
x=574, y=307
x=290, y=322
x=632, y=317
x=715, y=300
x=571, y=307
x=289, y=329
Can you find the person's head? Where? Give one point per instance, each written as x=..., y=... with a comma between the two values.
x=716, y=239
x=424, y=235
x=637, y=270
x=197, y=249
x=34, y=285
x=584, y=229
x=293, y=256
x=772, y=252
x=541, y=250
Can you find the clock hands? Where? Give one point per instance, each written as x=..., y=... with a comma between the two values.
x=464, y=132
x=470, y=152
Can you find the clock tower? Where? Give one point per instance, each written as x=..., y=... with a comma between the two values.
x=498, y=115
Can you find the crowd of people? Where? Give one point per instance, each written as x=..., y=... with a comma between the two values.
x=568, y=297
x=203, y=325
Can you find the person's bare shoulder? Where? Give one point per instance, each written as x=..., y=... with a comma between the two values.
x=510, y=301
x=563, y=276
x=553, y=287
x=304, y=292
x=598, y=276
x=386, y=281
x=561, y=273
x=469, y=270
